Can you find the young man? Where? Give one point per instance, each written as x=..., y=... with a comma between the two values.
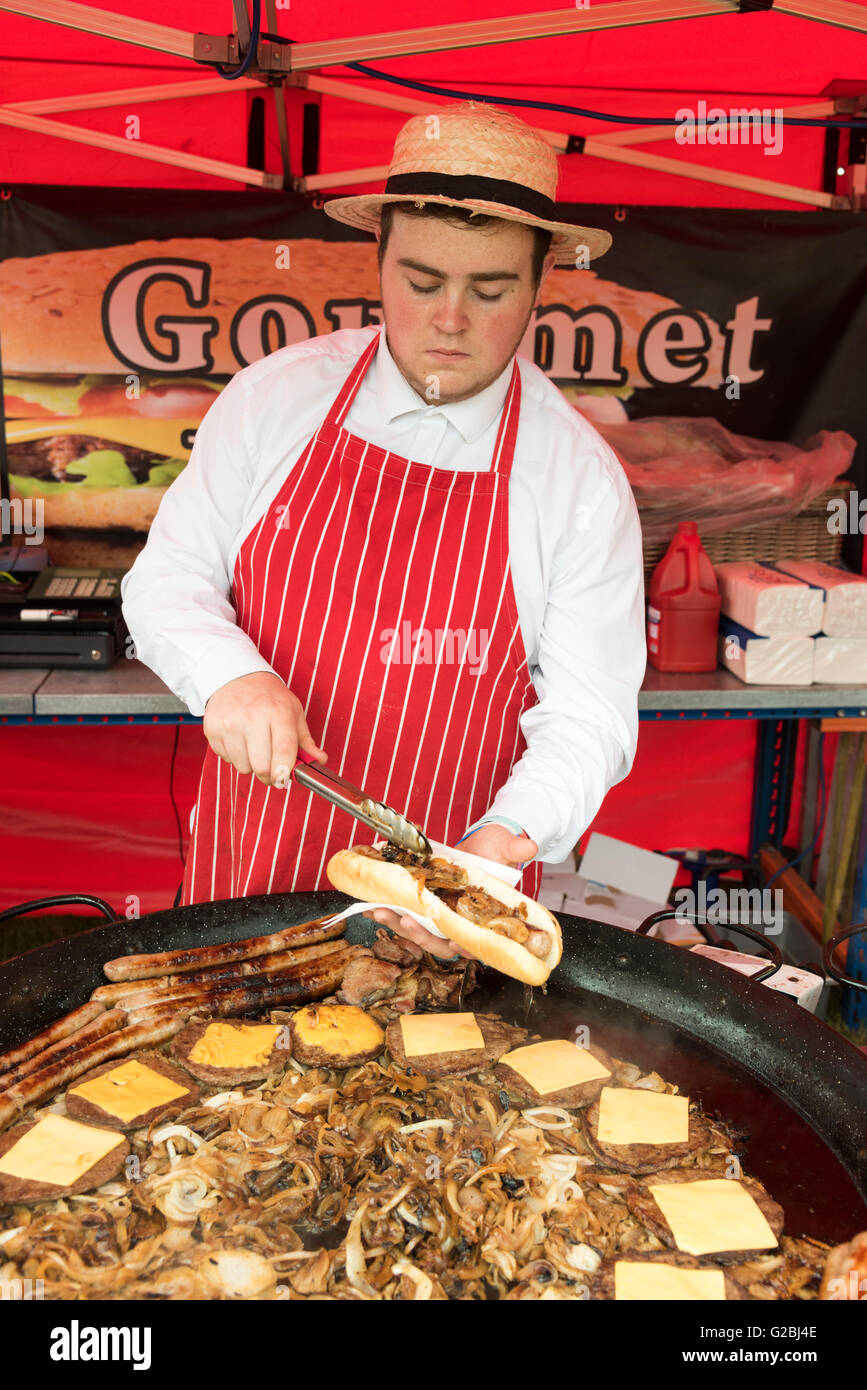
x=404, y=551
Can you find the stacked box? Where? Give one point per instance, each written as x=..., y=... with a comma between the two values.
x=767, y=602
x=844, y=595
x=759, y=660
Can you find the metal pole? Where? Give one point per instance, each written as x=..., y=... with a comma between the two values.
x=840, y=13
x=510, y=29
x=156, y=91
x=139, y=150
x=122, y=27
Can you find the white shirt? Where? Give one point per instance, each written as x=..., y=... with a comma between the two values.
x=574, y=550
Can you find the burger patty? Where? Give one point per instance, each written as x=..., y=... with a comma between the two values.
x=48, y=459
x=498, y=1036
x=649, y=1158
x=603, y=1286
x=645, y=1209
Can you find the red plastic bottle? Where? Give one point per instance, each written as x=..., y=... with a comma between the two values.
x=684, y=604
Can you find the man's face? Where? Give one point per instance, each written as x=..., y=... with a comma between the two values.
x=456, y=301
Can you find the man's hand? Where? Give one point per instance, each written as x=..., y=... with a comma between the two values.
x=494, y=842
x=498, y=843
x=257, y=725
x=409, y=927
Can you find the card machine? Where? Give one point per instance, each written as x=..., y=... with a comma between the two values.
x=64, y=617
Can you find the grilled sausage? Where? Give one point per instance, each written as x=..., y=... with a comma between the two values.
x=57, y=1075
x=124, y=990
x=109, y=1021
x=153, y=994
x=61, y=1028
x=321, y=978
x=199, y=957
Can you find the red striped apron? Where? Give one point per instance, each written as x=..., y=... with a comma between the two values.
x=379, y=590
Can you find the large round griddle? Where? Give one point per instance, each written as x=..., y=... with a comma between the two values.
x=795, y=1090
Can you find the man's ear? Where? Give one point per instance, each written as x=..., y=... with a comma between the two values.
x=547, y=266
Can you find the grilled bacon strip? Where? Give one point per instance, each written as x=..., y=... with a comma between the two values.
x=61, y=1028
x=200, y=957
x=109, y=1021
x=57, y=1075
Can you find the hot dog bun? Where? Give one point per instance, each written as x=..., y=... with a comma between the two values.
x=376, y=880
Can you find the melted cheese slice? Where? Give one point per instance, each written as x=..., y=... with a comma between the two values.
x=424, y=1034
x=129, y=1090
x=642, y=1117
x=341, y=1028
x=552, y=1066
x=711, y=1215
x=634, y=1281
x=58, y=1150
x=228, y=1045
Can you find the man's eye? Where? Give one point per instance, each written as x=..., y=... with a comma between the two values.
x=423, y=289
x=491, y=298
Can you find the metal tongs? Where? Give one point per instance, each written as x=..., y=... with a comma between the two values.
x=397, y=829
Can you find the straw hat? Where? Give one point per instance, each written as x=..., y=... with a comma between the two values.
x=472, y=155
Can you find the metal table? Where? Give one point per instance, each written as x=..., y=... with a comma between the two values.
x=130, y=693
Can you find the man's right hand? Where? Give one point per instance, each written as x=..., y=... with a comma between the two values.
x=257, y=724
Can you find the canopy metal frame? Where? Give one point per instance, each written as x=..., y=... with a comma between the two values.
x=282, y=66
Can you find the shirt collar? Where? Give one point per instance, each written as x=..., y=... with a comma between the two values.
x=470, y=417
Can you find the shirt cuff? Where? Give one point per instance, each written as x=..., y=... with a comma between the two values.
x=510, y=824
x=538, y=819
x=217, y=667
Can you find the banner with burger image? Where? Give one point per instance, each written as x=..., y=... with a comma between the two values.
x=113, y=353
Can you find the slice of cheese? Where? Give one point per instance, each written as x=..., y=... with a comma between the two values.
x=713, y=1214
x=228, y=1045
x=555, y=1065
x=424, y=1034
x=129, y=1090
x=642, y=1117
x=637, y=1281
x=342, y=1028
x=58, y=1150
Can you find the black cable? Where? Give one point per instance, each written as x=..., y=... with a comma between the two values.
x=435, y=90
x=229, y=75
x=63, y=900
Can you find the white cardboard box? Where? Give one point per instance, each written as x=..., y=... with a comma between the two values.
x=801, y=985
x=618, y=883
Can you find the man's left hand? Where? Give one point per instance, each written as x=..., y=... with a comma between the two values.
x=494, y=842
x=498, y=843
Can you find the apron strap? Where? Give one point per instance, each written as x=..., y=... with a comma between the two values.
x=347, y=392
x=504, y=448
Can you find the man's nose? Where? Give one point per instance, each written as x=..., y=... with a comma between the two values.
x=451, y=315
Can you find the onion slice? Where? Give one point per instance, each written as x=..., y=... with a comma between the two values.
x=177, y=1132
x=532, y=1116
x=423, y=1282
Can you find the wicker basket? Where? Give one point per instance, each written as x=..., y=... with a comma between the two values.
x=801, y=537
